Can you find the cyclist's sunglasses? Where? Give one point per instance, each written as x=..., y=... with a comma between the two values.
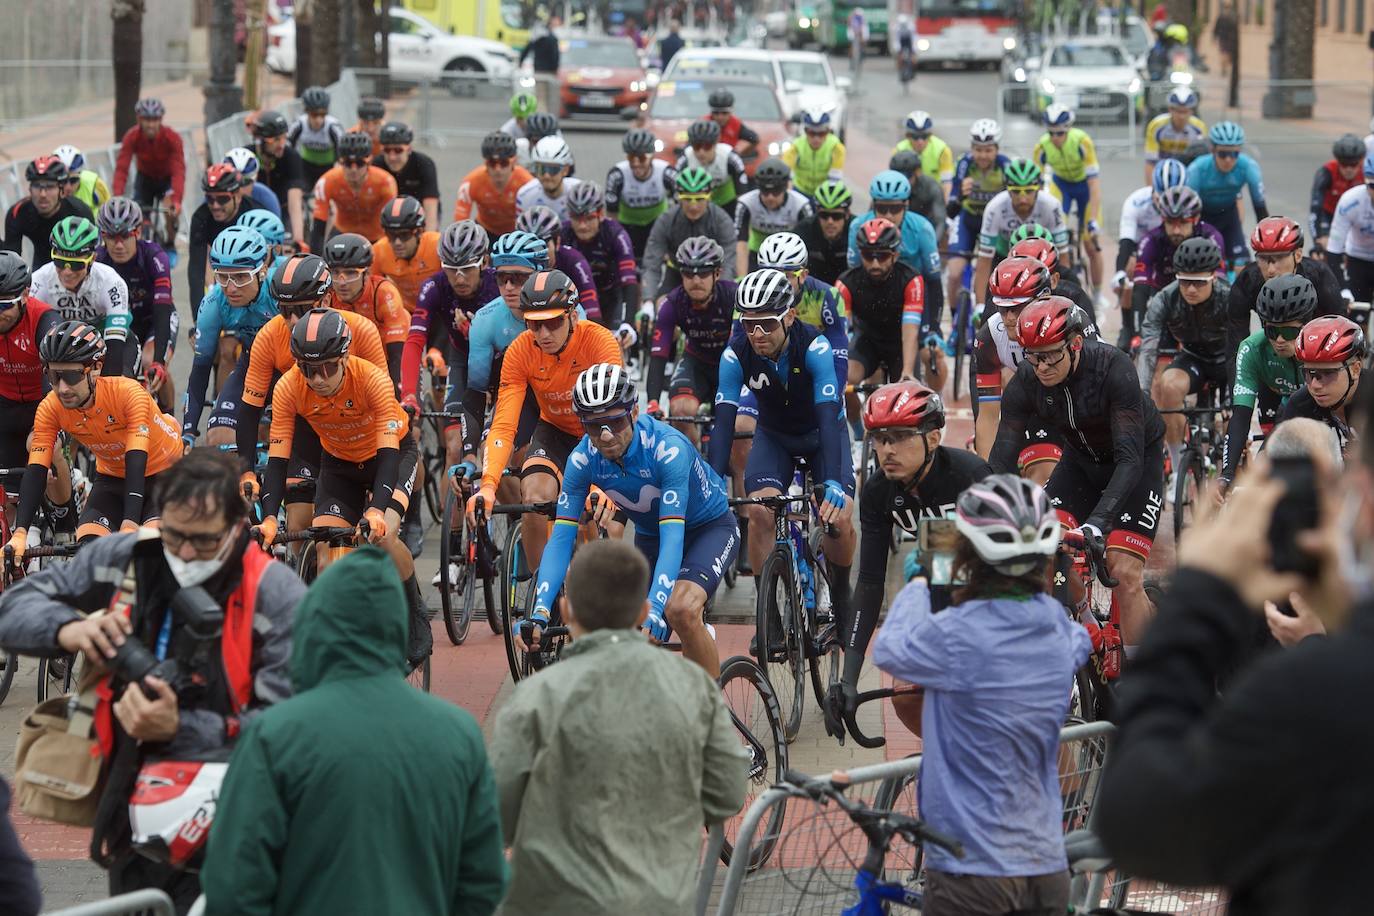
x=1023, y=189
x=917, y=136
x=1059, y=133
x=693, y=198
x=817, y=133
x=119, y=238
x=1280, y=332
x=219, y=200
x=1194, y=282
x=836, y=215
x=1284, y=256
x=1048, y=357
x=460, y=268
x=397, y=150
x=885, y=209
x=893, y=436
x=535, y=325
x=327, y=368
x=294, y=309
x=698, y=271
x=72, y=377
x=1325, y=376
x=512, y=277
x=615, y=424
x=236, y=278
x=402, y=235
x=354, y=163
x=1226, y=153
x=877, y=255
x=7, y=304
x=72, y=264
x=498, y=162
x=548, y=168
x=349, y=274
x=768, y=325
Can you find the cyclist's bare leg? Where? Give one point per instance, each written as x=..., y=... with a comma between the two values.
x=59, y=489
x=537, y=486
x=324, y=553
x=840, y=549
x=1039, y=473
x=686, y=405
x=684, y=614
x=1136, y=610
x=298, y=516
x=760, y=528
x=166, y=393
x=739, y=450
x=908, y=708
x=220, y=436
x=395, y=548
x=954, y=281
x=1170, y=393
x=852, y=408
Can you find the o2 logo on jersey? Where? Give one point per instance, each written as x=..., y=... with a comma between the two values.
x=671, y=498
x=563, y=500
x=827, y=391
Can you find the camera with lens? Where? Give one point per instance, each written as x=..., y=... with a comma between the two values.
x=197, y=623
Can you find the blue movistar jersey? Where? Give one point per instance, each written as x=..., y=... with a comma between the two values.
x=217, y=316
x=819, y=305
x=493, y=328
x=660, y=480
x=1219, y=189
x=919, y=249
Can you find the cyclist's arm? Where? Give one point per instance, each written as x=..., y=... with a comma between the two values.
x=988, y=377
x=826, y=391
x=115, y=327
x=417, y=337
x=203, y=360
x=1151, y=150
x=738, y=249
x=393, y=321
x=1255, y=182
x=1127, y=405
x=623, y=250
x=655, y=250
x=46, y=425
x=734, y=167
x=381, y=397
x=510, y=400
x=1237, y=325
x=1011, y=429
x=1318, y=223
x=553, y=567
x=748, y=136
x=1150, y=329
x=284, y=408
x=481, y=354
x=581, y=275
x=913, y=308
x=139, y=411
x=615, y=183
x=178, y=158
x=789, y=153
x=672, y=528
x=835, y=328
x=665, y=327
x=729, y=381
x=125, y=158
x=258, y=382
x=14, y=238
x=163, y=306
x=462, y=205
x=322, y=215
x=851, y=252
x=874, y=545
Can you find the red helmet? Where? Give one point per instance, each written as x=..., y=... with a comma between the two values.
x=1048, y=321
x=220, y=177
x=1276, y=235
x=879, y=233
x=1330, y=339
x=1017, y=281
x=904, y=404
x=1041, y=250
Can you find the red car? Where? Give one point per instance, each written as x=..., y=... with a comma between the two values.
x=676, y=103
x=600, y=76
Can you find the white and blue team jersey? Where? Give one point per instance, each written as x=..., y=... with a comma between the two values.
x=661, y=481
x=1352, y=226
x=1138, y=215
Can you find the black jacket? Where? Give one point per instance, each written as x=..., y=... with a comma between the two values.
x=545, y=52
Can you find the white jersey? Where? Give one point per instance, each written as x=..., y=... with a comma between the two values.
x=1138, y=215
x=1000, y=221
x=532, y=194
x=102, y=299
x=1009, y=352
x=1352, y=226
x=630, y=193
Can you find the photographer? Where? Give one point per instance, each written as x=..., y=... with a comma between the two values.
x=197, y=614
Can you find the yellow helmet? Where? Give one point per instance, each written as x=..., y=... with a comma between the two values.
x=1177, y=32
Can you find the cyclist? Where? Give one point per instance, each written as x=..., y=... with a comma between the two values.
x=220, y=210
x=744, y=139
x=415, y=173
x=82, y=290
x=356, y=289
x=1351, y=242
x=282, y=169
x=978, y=178
x=316, y=135
x=927, y=198
x=522, y=105
x=83, y=184
x=1169, y=134
x=638, y=188
x=544, y=224
x=820, y=158
x=608, y=250
x=114, y=417
x=1218, y=177
x=937, y=159
x=371, y=113
x=406, y=254
x=245, y=162
x=817, y=304
x=1139, y=215
x=1035, y=241
x=1107, y=484
x=826, y=232
x=1267, y=371
x=1024, y=201
x=272, y=230
x=692, y=215
x=1069, y=154
x=890, y=192
x=552, y=162
x=683, y=525
x=722, y=163
x=772, y=206
x=491, y=187
x=161, y=161
x=35, y=217
x=1181, y=212
x=1336, y=176
x=143, y=267
x=539, y=125
x=1331, y=351
x=351, y=196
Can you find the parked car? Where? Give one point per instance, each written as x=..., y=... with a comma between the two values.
x=676, y=103
x=801, y=27
x=1093, y=76
x=600, y=76
x=803, y=78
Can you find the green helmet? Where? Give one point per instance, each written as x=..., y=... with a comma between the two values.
x=1022, y=173
x=833, y=195
x=693, y=180
x=75, y=235
x=1030, y=231
x=523, y=104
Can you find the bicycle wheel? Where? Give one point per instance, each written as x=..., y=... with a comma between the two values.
x=512, y=600
x=754, y=713
x=432, y=457
x=56, y=676
x=488, y=570
x=1189, y=488
x=419, y=677
x=457, y=577
x=824, y=655
x=1083, y=699
x=962, y=315
x=778, y=637
x=905, y=861
x=307, y=567
x=7, y=674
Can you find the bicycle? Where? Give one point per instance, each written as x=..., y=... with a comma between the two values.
x=906, y=69
x=518, y=591
x=56, y=674
x=867, y=465
x=159, y=227
x=1198, y=462
x=963, y=334
x=463, y=561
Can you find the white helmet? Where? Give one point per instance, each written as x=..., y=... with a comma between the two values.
x=1183, y=97
x=243, y=160
x=985, y=130
x=919, y=122
x=601, y=387
x=1058, y=115
x=551, y=151
x=816, y=117
x=1009, y=521
x=71, y=157
x=783, y=251
x=172, y=807
x=764, y=292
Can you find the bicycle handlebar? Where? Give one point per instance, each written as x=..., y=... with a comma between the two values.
x=323, y=533
x=852, y=726
x=1076, y=543
x=885, y=822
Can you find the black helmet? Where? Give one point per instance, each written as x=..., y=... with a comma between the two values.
x=905, y=161
x=547, y=294
x=1291, y=297
x=699, y=252
x=463, y=243
x=721, y=100
x=402, y=213
x=270, y=124
x=394, y=133
x=539, y=125
x=1197, y=255
x=1348, y=149
x=370, y=108
x=119, y=216
x=772, y=174
x=72, y=342
x=585, y=198
x=498, y=145
x=14, y=275
x=638, y=140
x=320, y=334
x=703, y=132
x=539, y=221
x=316, y=98
x=303, y=278
x=46, y=168
x=355, y=145
x=348, y=249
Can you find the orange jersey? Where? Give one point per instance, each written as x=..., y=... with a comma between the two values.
x=123, y=418
x=352, y=423
x=551, y=378
x=411, y=273
x=271, y=353
x=355, y=211
x=381, y=302
x=495, y=209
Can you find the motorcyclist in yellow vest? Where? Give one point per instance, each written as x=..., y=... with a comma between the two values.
x=820, y=158
x=937, y=159
x=83, y=184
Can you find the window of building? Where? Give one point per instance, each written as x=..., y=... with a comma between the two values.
x=1340, y=15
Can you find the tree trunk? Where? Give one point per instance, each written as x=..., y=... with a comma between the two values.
x=324, y=50
x=126, y=52
x=371, y=45
x=222, y=96
x=1291, y=58
x=304, y=15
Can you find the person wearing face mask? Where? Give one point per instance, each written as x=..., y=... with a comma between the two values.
x=140, y=575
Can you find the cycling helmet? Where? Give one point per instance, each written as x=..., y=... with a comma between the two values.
x=1029, y=231
x=238, y=247
x=520, y=249
x=1198, y=256
x=547, y=294
x=1348, y=150
x=15, y=277
x=1369, y=167
x=814, y=118
x=764, y=292
x=905, y=161
x=1168, y=173
x=879, y=233
x=1330, y=339
x=1177, y=32
x=1022, y=173
x=1192, y=151
x=1049, y=321
x=74, y=235
x=699, y=253
x=121, y=216
x=270, y=124
x=919, y=122
x=1040, y=249
x=1276, y=235
x=783, y=251
x=904, y=405
x=1227, y=133
x=71, y=157
x=1180, y=202
x=703, y=133
x=551, y=151
x=498, y=145
x=303, y=278
x=355, y=145
x=1058, y=115
x=395, y=133
x=149, y=108
x=638, y=140
x=1010, y=523
x=244, y=161
x=1017, y=281
x=1291, y=297
x=266, y=222
x=72, y=342
x=464, y=242
x=347, y=249
x=693, y=180
x=220, y=178
x=1183, y=97
x=320, y=334
x=772, y=175
x=523, y=104
x=602, y=387
x=371, y=108
x=539, y=125
x=889, y=185
x=316, y=98
x=402, y=213
x=985, y=130
x=46, y=168
x=721, y=100
x=172, y=808
x=540, y=221
x=585, y=198
x=833, y=194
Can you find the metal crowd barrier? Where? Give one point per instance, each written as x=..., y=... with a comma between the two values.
x=136, y=903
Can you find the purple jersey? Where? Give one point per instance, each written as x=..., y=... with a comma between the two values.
x=438, y=306
x=147, y=275
x=610, y=253
x=1154, y=265
x=707, y=329
x=572, y=263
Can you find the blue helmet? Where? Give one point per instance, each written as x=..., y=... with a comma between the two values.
x=1169, y=173
x=267, y=223
x=889, y=185
x=1369, y=167
x=520, y=249
x=238, y=248
x=1227, y=133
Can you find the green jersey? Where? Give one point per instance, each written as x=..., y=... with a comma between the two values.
x=1258, y=368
